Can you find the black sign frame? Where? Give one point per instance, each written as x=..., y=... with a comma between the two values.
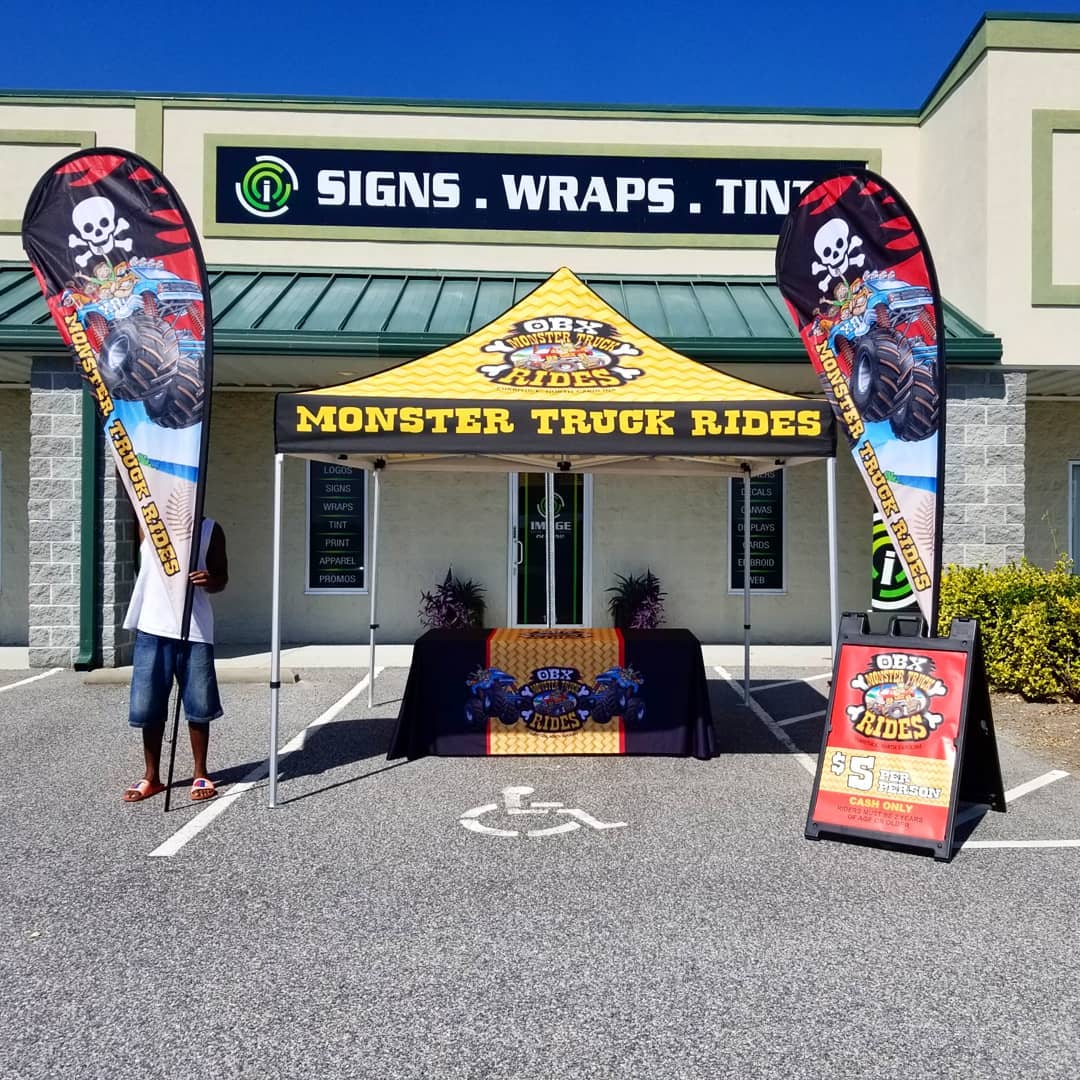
x=316, y=187
x=358, y=515
x=777, y=507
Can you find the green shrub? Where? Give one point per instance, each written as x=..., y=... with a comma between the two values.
x=1029, y=619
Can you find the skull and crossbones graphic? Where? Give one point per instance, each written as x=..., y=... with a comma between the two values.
x=98, y=229
x=834, y=244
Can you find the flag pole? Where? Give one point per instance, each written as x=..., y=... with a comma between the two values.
x=834, y=558
x=373, y=620
x=275, y=631
x=185, y=631
x=746, y=581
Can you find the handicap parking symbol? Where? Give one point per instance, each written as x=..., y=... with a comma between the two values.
x=514, y=805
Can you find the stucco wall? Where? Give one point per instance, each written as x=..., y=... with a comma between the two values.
x=1021, y=82
x=30, y=142
x=954, y=148
x=14, y=493
x=1053, y=440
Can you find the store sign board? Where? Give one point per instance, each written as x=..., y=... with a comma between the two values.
x=336, y=528
x=909, y=734
x=532, y=192
x=766, y=533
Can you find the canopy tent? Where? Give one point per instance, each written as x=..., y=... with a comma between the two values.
x=559, y=382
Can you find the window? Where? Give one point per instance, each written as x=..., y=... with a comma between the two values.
x=336, y=529
x=766, y=533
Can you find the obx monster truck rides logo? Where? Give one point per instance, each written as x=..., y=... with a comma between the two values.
x=561, y=352
x=897, y=697
x=554, y=700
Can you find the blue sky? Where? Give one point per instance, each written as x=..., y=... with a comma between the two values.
x=883, y=55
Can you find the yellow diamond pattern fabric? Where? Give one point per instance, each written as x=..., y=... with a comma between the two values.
x=455, y=371
x=593, y=738
x=521, y=652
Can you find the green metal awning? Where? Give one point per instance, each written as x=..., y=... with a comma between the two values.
x=403, y=314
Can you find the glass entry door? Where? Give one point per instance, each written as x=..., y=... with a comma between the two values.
x=528, y=550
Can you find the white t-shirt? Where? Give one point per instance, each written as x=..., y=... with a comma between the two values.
x=150, y=610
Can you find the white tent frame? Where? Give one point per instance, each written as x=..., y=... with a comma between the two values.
x=549, y=467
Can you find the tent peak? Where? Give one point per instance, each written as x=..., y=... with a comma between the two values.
x=561, y=370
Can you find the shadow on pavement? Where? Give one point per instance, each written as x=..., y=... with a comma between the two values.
x=367, y=738
x=740, y=731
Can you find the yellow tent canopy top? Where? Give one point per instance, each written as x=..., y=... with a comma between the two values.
x=561, y=380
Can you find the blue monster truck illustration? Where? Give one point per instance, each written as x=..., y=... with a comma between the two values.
x=130, y=320
x=881, y=343
x=615, y=694
x=492, y=693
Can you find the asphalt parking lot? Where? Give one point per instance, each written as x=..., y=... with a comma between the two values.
x=683, y=928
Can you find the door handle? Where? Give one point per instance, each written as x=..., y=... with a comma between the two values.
x=519, y=556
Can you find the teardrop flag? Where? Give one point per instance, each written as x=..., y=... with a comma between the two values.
x=116, y=255
x=855, y=269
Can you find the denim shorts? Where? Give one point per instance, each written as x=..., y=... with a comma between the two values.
x=160, y=660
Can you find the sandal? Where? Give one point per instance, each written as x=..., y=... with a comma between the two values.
x=142, y=789
x=202, y=789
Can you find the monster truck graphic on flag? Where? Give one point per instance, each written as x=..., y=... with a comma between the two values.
x=887, y=347
x=146, y=325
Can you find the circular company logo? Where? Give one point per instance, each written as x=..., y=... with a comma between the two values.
x=559, y=506
x=266, y=187
x=891, y=588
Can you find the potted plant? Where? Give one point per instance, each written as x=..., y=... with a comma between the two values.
x=638, y=601
x=453, y=605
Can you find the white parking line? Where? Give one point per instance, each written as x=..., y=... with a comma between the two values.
x=807, y=762
x=226, y=799
x=1033, y=785
x=1012, y=795
x=33, y=678
x=1021, y=844
x=799, y=719
x=792, y=682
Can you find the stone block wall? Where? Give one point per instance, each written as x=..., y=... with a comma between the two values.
x=53, y=513
x=984, y=468
x=54, y=527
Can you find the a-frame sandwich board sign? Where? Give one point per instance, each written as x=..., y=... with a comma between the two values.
x=909, y=736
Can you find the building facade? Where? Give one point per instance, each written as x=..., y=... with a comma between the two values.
x=344, y=237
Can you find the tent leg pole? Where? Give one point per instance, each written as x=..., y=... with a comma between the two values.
x=746, y=583
x=834, y=560
x=549, y=537
x=275, y=631
x=373, y=619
